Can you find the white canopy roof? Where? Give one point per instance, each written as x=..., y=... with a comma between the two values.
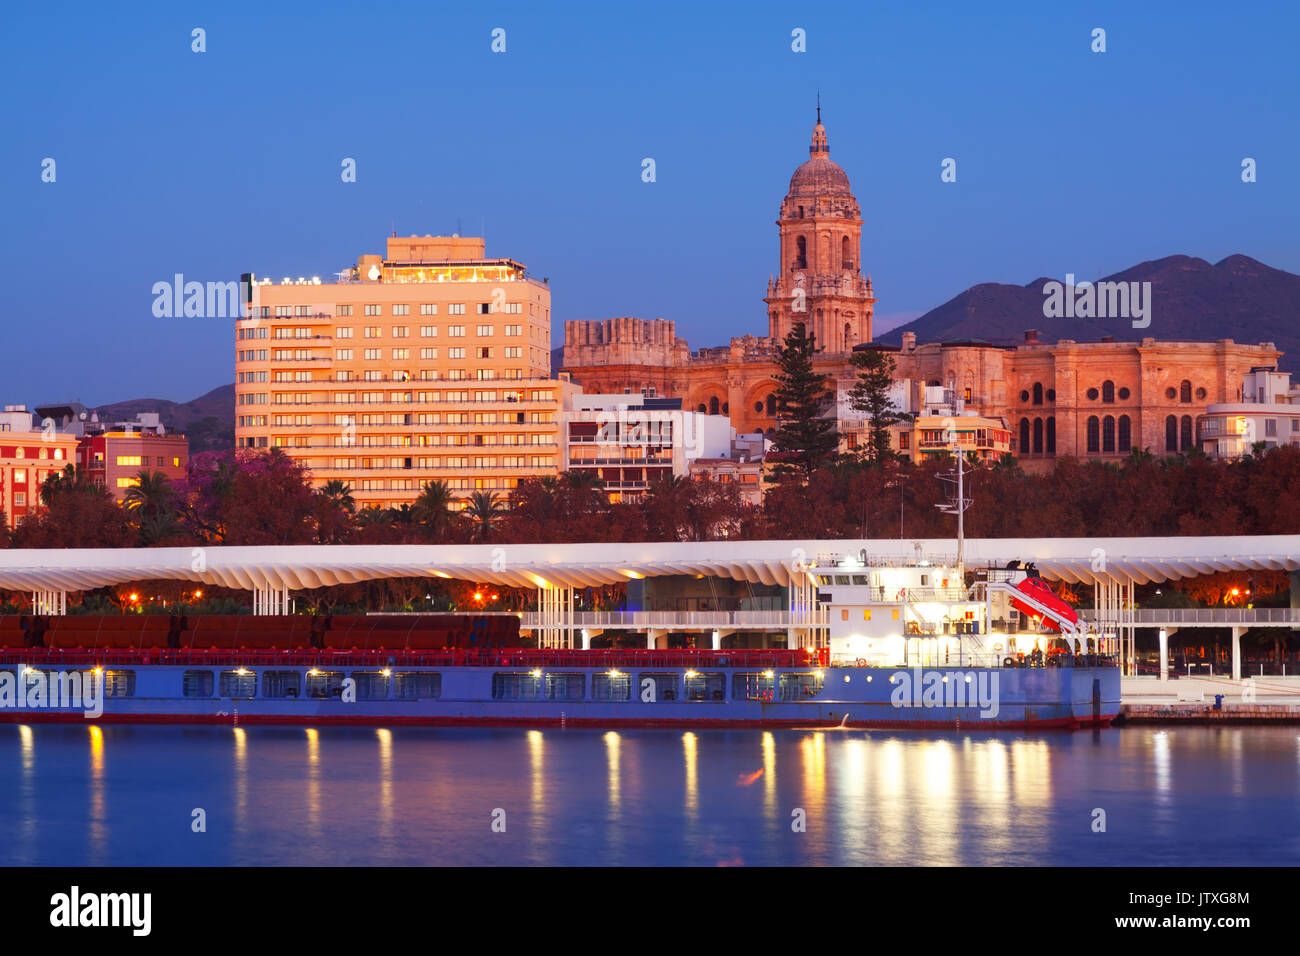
x=301, y=567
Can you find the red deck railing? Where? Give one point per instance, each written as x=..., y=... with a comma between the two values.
x=452, y=657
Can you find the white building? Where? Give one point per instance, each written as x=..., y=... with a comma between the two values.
x=629, y=441
x=1268, y=412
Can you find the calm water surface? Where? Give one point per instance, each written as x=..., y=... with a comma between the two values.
x=121, y=795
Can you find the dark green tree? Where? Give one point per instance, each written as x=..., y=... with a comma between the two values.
x=805, y=439
x=870, y=394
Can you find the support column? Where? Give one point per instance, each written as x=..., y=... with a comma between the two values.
x=1164, y=654
x=52, y=603
x=1237, y=632
x=717, y=639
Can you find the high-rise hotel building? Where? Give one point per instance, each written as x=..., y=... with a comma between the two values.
x=431, y=362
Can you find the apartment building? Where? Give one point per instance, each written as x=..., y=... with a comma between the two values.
x=630, y=441
x=28, y=456
x=429, y=362
x=1267, y=412
x=113, y=453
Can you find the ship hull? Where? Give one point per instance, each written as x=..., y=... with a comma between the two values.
x=920, y=698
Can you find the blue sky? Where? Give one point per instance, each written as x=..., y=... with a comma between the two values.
x=228, y=161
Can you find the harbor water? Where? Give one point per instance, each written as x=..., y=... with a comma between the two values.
x=94, y=795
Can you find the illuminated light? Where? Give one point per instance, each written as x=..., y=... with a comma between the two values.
x=768, y=674
x=536, y=672
x=968, y=678
x=386, y=672
x=846, y=678
x=313, y=672
x=134, y=596
x=614, y=673
x=478, y=596
x=868, y=678
x=690, y=674
x=634, y=575
x=198, y=594
x=819, y=673
x=242, y=672
x=493, y=597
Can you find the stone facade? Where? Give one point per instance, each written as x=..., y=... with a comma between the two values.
x=1087, y=399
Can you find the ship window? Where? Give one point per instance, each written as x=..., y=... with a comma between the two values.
x=196, y=684
x=753, y=687
x=371, y=685
x=866, y=614
x=660, y=687
x=844, y=614
x=238, y=685
x=705, y=686
x=516, y=686
x=119, y=683
x=413, y=685
x=324, y=684
x=616, y=686
x=565, y=687
x=281, y=683
x=799, y=686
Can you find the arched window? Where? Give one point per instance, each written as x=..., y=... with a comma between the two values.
x=771, y=406
x=1094, y=437
x=1024, y=436
x=846, y=254
x=1108, y=434
x=713, y=405
x=1185, y=434
x=1051, y=435
x=801, y=253
x=1038, y=436
x=1125, y=434
x=1171, y=433
x=1108, y=392
x=703, y=409
x=1038, y=393
x=848, y=335
x=1185, y=391
x=726, y=408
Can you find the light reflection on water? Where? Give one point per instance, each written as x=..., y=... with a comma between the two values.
x=108, y=794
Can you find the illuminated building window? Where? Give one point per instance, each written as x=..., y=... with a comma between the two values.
x=456, y=308
x=128, y=460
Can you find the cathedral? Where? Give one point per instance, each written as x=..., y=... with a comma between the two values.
x=1086, y=399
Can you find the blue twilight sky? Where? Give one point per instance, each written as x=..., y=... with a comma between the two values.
x=228, y=161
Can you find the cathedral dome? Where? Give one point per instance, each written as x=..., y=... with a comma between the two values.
x=820, y=175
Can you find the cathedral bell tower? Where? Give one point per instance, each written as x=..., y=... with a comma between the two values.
x=820, y=281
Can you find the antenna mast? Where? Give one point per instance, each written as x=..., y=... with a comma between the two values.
x=958, y=504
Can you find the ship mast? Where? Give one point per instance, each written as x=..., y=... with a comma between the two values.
x=958, y=505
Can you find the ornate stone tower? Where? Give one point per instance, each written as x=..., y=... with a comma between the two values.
x=820, y=282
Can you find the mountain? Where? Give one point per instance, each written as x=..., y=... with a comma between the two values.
x=1236, y=298
x=208, y=421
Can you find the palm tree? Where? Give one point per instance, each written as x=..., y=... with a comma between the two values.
x=151, y=495
x=432, y=506
x=484, y=509
x=339, y=492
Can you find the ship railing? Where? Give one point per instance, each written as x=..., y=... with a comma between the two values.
x=641, y=620
x=392, y=657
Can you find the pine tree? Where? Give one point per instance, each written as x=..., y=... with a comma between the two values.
x=870, y=394
x=804, y=438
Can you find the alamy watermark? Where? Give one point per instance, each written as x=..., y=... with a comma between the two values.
x=922, y=688
x=1099, y=300
x=31, y=689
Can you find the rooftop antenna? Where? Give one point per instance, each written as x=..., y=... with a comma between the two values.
x=819, y=107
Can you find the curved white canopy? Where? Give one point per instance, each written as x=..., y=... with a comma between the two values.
x=301, y=567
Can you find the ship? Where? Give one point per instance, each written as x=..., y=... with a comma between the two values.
x=922, y=643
